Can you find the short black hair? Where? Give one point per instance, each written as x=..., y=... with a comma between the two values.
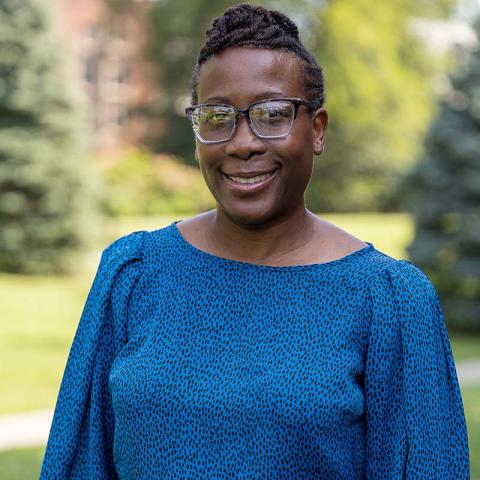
x=254, y=26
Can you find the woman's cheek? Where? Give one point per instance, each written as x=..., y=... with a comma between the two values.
x=209, y=179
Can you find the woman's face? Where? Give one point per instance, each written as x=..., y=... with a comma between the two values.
x=238, y=77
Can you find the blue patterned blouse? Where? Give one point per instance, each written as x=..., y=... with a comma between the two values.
x=186, y=365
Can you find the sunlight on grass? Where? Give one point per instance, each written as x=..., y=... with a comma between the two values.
x=38, y=317
x=389, y=233
x=465, y=346
x=471, y=403
x=22, y=464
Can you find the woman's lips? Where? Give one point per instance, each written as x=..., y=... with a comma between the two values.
x=249, y=187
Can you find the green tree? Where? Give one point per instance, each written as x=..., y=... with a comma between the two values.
x=379, y=98
x=378, y=84
x=444, y=196
x=46, y=190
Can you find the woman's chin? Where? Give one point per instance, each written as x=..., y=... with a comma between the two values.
x=248, y=214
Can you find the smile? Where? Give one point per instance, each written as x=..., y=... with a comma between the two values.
x=257, y=179
x=252, y=184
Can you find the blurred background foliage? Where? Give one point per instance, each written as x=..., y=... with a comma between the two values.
x=47, y=183
x=443, y=193
x=396, y=142
x=160, y=184
x=401, y=166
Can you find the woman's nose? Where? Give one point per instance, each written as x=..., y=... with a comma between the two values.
x=244, y=142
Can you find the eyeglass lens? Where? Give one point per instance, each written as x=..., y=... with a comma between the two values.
x=270, y=119
x=214, y=123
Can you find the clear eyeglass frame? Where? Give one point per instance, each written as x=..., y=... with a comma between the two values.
x=296, y=102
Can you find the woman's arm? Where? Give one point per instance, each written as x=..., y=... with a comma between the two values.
x=80, y=444
x=415, y=419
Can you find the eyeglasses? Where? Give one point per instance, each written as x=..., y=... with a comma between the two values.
x=273, y=118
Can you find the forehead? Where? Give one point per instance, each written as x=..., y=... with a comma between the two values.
x=240, y=76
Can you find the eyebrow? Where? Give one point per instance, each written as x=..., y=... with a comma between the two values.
x=260, y=96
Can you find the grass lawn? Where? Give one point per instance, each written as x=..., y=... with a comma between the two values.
x=39, y=315
x=21, y=464
x=465, y=346
x=471, y=404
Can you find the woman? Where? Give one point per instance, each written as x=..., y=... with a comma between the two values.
x=257, y=340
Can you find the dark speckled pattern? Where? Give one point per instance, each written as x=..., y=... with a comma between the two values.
x=186, y=365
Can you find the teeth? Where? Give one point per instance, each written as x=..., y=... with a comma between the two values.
x=257, y=179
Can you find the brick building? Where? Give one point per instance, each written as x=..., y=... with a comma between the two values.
x=105, y=42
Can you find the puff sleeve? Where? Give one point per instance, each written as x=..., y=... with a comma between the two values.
x=80, y=442
x=415, y=424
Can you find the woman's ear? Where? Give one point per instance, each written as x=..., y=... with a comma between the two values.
x=320, y=123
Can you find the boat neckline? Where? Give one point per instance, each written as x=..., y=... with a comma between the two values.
x=228, y=261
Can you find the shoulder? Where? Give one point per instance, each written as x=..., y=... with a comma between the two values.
x=405, y=279
x=402, y=294
x=405, y=311
x=121, y=267
x=125, y=248
x=121, y=262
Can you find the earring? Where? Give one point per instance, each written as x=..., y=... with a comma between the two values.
x=196, y=155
